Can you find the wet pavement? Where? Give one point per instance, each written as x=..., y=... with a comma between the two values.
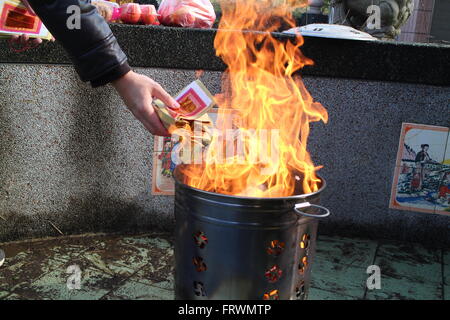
x=141, y=267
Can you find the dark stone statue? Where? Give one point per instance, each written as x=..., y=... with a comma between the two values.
x=393, y=14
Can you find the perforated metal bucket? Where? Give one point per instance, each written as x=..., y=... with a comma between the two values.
x=229, y=247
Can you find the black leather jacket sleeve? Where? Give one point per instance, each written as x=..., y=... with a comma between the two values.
x=94, y=50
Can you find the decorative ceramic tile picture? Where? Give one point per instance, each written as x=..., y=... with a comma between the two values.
x=422, y=173
x=163, y=167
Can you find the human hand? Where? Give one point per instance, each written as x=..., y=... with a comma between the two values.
x=138, y=91
x=23, y=41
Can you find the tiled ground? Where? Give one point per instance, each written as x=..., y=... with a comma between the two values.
x=141, y=267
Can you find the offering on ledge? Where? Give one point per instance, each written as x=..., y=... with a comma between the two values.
x=187, y=13
x=129, y=13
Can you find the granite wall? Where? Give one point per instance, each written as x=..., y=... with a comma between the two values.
x=74, y=157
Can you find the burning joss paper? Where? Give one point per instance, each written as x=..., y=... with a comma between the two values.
x=267, y=155
x=195, y=100
x=191, y=118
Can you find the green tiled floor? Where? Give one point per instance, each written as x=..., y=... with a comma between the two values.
x=141, y=267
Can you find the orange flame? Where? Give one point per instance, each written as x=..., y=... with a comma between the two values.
x=262, y=89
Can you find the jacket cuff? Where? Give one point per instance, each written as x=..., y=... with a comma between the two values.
x=113, y=74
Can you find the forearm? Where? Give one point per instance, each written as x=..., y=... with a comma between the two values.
x=94, y=50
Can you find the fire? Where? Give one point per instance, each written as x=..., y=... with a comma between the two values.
x=271, y=105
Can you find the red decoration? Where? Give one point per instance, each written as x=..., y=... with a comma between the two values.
x=149, y=15
x=276, y=248
x=273, y=274
x=130, y=13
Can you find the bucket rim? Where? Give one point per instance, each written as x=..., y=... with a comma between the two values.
x=303, y=196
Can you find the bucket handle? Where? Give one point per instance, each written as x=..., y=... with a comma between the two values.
x=307, y=204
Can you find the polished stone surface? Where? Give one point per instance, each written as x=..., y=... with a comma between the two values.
x=140, y=267
x=183, y=48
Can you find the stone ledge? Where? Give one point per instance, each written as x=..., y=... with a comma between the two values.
x=179, y=48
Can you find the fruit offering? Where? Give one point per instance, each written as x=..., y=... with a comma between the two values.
x=187, y=13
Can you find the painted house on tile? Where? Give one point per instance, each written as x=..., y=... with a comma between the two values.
x=422, y=176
